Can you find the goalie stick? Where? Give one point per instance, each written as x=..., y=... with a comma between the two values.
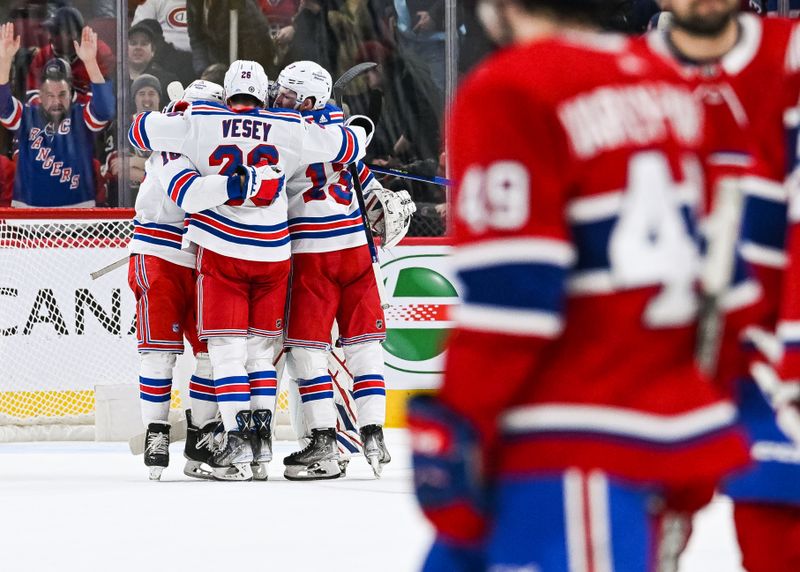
x=338, y=97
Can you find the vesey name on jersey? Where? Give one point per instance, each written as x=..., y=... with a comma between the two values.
x=610, y=118
x=245, y=127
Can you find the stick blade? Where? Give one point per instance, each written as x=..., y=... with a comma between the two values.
x=357, y=69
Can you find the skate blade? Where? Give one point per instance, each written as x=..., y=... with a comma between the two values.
x=196, y=470
x=316, y=472
x=376, y=465
x=155, y=473
x=259, y=471
x=236, y=472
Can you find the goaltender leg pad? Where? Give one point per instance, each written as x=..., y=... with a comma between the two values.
x=163, y=292
x=448, y=470
x=567, y=522
x=231, y=384
x=310, y=370
x=261, y=371
x=365, y=361
x=360, y=315
x=155, y=385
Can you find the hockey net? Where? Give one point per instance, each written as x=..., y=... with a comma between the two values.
x=62, y=333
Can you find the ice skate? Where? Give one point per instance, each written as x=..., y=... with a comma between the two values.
x=375, y=448
x=156, y=449
x=200, y=445
x=262, y=443
x=231, y=461
x=318, y=460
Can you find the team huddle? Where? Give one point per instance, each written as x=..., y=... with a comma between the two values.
x=250, y=243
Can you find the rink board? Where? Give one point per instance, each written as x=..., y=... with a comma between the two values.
x=62, y=333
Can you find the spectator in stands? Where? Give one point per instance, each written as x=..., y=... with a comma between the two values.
x=146, y=95
x=420, y=30
x=142, y=42
x=65, y=28
x=409, y=104
x=171, y=17
x=169, y=54
x=7, y=168
x=209, y=33
x=55, y=165
x=352, y=25
x=215, y=73
x=310, y=37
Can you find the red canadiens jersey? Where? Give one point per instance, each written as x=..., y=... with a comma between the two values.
x=576, y=233
x=765, y=60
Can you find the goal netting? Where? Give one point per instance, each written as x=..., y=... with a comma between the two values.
x=62, y=333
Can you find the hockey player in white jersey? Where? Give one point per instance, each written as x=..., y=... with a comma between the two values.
x=332, y=278
x=243, y=245
x=161, y=275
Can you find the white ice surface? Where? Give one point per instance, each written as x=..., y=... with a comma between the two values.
x=89, y=507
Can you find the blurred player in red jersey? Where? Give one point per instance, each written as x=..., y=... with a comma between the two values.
x=571, y=410
x=754, y=57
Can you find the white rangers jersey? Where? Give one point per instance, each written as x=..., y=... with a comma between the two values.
x=158, y=225
x=217, y=140
x=323, y=209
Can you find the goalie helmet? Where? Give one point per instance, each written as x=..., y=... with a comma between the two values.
x=307, y=79
x=201, y=90
x=248, y=78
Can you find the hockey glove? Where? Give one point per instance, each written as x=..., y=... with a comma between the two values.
x=389, y=214
x=448, y=470
x=364, y=123
x=260, y=184
x=783, y=395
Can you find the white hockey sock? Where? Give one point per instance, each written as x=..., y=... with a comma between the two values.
x=261, y=372
x=231, y=385
x=365, y=362
x=309, y=368
x=155, y=385
x=201, y=391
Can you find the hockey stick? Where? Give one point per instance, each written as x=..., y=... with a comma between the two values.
x=111, y=267
x=411, y=176
x=722, y=238
x=338, y=96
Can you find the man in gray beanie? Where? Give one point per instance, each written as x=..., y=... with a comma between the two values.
x=146, y=93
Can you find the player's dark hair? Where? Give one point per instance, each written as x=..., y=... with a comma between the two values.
x=245, y=99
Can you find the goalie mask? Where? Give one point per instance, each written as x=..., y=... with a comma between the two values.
x=307, y=79
x=248, y=78
x=389, y=214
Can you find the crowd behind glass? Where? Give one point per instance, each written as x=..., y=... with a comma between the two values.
x=182, y=40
